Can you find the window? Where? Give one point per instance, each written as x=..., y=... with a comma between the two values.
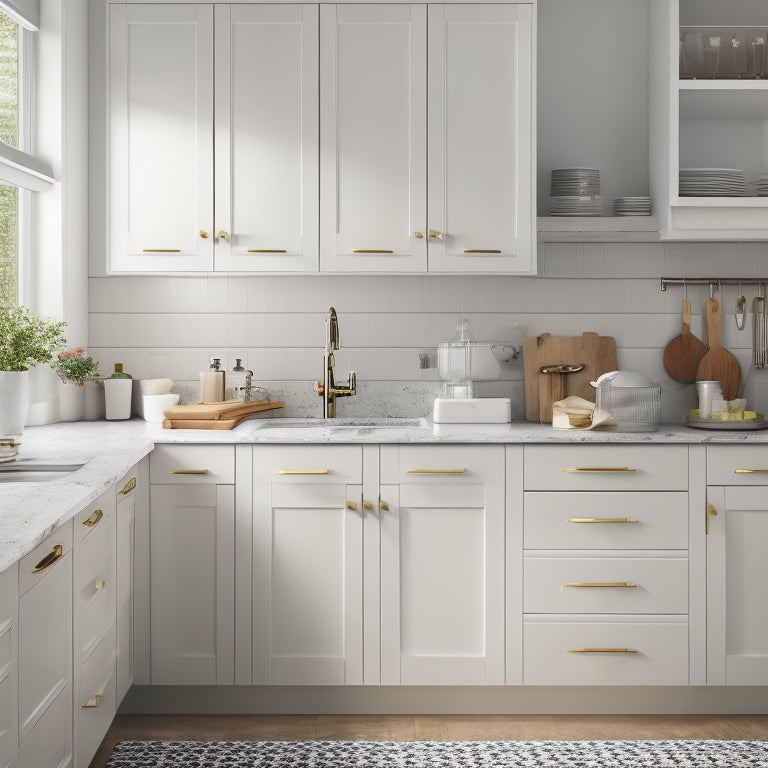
x=9, y=133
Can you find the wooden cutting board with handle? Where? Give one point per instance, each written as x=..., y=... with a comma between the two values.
x=719, y=364
x=597, y=354
x=224, y=415
x=684, y=353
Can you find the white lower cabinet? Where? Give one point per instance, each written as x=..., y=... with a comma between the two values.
x=192, y=545
x=9, y=664
x=737, y=525
x=45, y=653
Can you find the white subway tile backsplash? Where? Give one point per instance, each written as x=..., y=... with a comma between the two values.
x=415, y=330
x=635, y=260
x=237, y=329
x=98, y=295
x=573, y=296
x=177, y=294
x=433, y=293
x=707, y=259
x=359, y=297
x=552, y=295
x=673, y=260
x=237, y=294
x=451, y=294
x=397, y=330
x=276, y=331
x=140, y=301
x=256, y=288
x=635, y=334
x=378, y=330
x=573, y=260
x=355, y=331
x=594, y=260
x=746, y=254
x=553, y=255
x=159, y=294
x=395, y=290
x=654, y=260
x=530, y=295
x=277, y=298
x=217, y=294
x=256, y=329
x=197, y=294
x=158, y=331
x=414, y=295
x=615, y=260
x=471, y=294
x=615, y=295
x=636, y=296
x=216, y=330
x=295, y=330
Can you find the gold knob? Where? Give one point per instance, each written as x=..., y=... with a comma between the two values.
x=222, y=235
x=351, y=505
x=418, y=235
x=203, y=234
x=435, y=234
x=367, y=505
x=711, y=510
x=383, y=505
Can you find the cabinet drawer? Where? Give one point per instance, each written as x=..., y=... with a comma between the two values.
x=594, y=520
x=605, y=653
x=314, y=464
x=95, y=702
x=186, y=464
x=34, y=565
x=737, y=465
x=440, y=464
x=9, y=721
x=96, y=516
x=50, y=741
x=606, y=468
x=606, y=585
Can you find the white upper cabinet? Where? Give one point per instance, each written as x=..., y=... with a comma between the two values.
x=266, y=137
x=373, y=138
x=160, y=138
x=481, y=159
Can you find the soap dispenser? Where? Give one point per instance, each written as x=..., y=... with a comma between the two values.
x=118, y=390
x=212, y=383
x=239, y=383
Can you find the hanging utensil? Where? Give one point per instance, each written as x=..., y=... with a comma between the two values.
x=741, y=310
x=683, y=354
x=758, y=330
x=719, y=364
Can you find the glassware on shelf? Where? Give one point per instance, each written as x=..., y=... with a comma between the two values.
x=756, y=53
x=729, y=53
x=711, y=47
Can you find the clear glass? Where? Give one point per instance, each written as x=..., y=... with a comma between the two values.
x=756, y=39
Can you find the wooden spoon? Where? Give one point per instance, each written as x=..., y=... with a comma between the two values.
x=719, y=364
x=684, y=353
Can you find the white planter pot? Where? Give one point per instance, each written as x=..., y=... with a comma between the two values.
x=14, y=400
x=71, y=401
x=94, y=401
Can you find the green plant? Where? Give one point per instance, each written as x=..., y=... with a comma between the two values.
x=75, y=366
x=27, y=340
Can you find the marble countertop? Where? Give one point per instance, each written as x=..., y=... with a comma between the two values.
x=30, y=511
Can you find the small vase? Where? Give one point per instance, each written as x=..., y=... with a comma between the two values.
x=71, y=401
x=14, y=400
x=95, y=407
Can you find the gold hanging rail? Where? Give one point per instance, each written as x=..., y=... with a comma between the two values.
x=712, y=282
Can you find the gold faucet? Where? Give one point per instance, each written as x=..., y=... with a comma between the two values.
x=327, y=388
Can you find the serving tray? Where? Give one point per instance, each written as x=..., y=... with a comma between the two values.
x=733, y=426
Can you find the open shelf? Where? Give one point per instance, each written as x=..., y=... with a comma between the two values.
x=597, y=229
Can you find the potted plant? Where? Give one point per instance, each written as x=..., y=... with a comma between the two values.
x=75, y=368
x=26, y=340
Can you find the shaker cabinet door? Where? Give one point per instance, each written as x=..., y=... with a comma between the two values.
x=160, y=138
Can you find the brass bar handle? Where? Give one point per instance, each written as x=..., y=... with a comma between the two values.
x=601, y=650
x=603, y=520
x=711, y=510
x=94, y=701
x=303, y=472
x=750, y=471
x=128, y=487
x=352, y=505
x=619, y=584
x=371, y=250
x=482, y=250
x=600, y=469
x=383, y=505
x=161, y=250
x=459, y=471
x=93, y=519
x=50, y=559
x=189, y=471
x=367, y=505
x=266, y=250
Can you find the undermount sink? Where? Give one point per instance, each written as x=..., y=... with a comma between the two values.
x=345, y=423
x=34, y=471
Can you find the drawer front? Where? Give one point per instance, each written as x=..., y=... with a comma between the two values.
x=606, y=585
x=590, y=520
x=737, y=465
x=440, y=464
x=50, y=742
x=311, y=464
x=95, y=702
x=9, y=680
x=609, y=653
x=606, y=468
x=187, y=464
x=37, y=563
x=95, y=517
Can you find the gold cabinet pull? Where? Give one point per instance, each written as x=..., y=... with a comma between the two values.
x=384, y=505
x=50, y=559
x=619, y=584
x=711, y=510
x=161, y=250
x=266, y=250
x=93, y=519
x=459, y=471
x=435, y=235
x=367, y=505
x=418, y=235
x=94, y=701
x=303, y=472
x=99, y=584
x=601, y=650
x=128, y=487
x=203, y=234
x=352, y=505
x=750, y=471
x=222, y=235
x=371, y=250
x=189, y=471
x=600, y=469
x=482, y=250
x=603, y=520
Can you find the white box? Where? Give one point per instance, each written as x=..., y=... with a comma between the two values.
x=476, y=410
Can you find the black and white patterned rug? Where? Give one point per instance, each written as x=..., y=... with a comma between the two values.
x=440, y=754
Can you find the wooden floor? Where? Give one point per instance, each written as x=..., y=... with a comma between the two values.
x=427, y=727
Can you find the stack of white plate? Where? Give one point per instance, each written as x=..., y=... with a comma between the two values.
x=632, y=206
x=761, y=185
x=712, y=182
x=575, y=192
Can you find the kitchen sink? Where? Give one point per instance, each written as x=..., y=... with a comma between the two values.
x=348, y=423
x=34, y=471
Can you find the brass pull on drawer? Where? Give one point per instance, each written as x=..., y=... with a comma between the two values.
x=458, y=471
x=750, y=471
x=94, y=518
x=303, y=472
x=189, y=471
x=94, y=701
x=50, y=559
x=619, y=584
x=600, y=469
x=128, y=487
x=601, y=650
x=603, y=520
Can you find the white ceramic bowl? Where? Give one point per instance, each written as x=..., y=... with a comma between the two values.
x=154, y=405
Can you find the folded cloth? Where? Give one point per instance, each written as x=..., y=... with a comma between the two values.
x=577, y=413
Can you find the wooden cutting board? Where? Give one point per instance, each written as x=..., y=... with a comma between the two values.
x=224, y=415
x=597, y=354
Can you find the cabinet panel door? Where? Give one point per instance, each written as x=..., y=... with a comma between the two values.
x=192, y=540
x=373, y=138
x=160, y=138
x=267, y=122
x=126, y=524
x=480, y=138
x=9, y=664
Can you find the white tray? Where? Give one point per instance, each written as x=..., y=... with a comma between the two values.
x=734, y=426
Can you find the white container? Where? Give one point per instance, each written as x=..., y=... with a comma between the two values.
x=155, y=405
x=117, y=396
